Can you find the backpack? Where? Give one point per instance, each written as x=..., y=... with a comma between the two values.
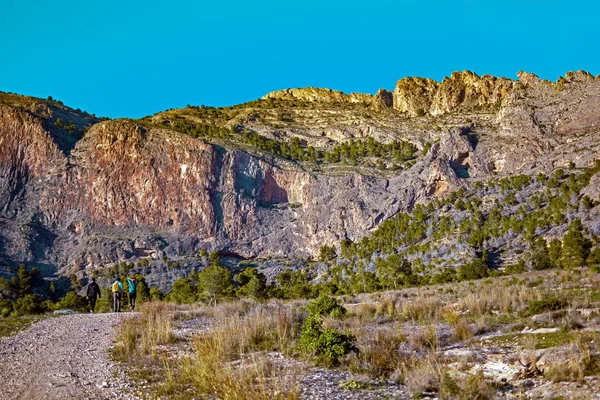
x=115, y=288
x=91, y=290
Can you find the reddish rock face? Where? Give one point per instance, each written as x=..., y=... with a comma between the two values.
x=127, y=175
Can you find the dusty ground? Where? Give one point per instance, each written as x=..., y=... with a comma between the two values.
x=63, y=358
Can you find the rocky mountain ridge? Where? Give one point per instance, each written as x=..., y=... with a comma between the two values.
x=78, y=193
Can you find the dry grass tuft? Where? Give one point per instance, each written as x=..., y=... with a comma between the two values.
x=580, y=360
x=421, y=309
x=364, y=311
x=422, y=377
x=141, y=335
x=378, y=353
x=450, y=315
x=462, y=331
x=476, y=387
x=425, y=338
x=387, y=306
x=499, y=298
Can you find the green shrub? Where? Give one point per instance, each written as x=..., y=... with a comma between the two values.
x=446, y=276
x=326, y=305
x=156, y=294
x=474, y=270
x=72, y=301
x=548, y=304
x=252, y=284
x=28, y=304
x=517, y=268
x=327, y=344
x=215, y=282
x=6, y=307
x=183, y=291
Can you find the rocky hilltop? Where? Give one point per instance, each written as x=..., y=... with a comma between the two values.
x=277, y=177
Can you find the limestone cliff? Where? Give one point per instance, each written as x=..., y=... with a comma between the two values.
x=77, y=192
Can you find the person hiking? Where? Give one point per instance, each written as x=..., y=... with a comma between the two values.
x=117, y=289
x=132, y=286
x=93, y=292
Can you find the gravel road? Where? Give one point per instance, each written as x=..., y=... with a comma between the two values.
x=63, y=358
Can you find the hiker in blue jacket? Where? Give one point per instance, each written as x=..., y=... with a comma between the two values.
x=132, y=285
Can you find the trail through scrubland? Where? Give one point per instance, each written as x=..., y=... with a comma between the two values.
x=63, y=358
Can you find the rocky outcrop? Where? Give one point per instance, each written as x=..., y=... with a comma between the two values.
x=383, y=100
x=468, y=90
x=318, y=95
x=414, y=95
x=462, y=90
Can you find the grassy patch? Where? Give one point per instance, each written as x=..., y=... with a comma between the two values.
x=588, y=294
x=10, y=326
x=542, y=340
x=141, y=335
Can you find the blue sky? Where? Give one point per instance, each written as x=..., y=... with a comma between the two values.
x=134, y=58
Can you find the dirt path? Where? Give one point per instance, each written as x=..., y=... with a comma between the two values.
x=62, y=358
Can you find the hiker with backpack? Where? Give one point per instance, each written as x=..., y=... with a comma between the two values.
x=117, y=289
x=93, y=292
x=132, y=286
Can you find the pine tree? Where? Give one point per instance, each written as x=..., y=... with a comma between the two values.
x=252, y=284
x=554, y=251
x=393, y=271
x=575, y=247
x=215, y=282
x=24, y=278
x=213, y=259
x=540, y=259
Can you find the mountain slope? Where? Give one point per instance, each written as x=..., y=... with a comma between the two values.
x=278, y=177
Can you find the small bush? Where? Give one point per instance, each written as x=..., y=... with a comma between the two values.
x=516, y=268
x=328, y=344
x=5, y=312
x=326, y=305
x=476, y=269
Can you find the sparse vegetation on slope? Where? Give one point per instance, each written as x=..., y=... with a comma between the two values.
x=458, y=340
